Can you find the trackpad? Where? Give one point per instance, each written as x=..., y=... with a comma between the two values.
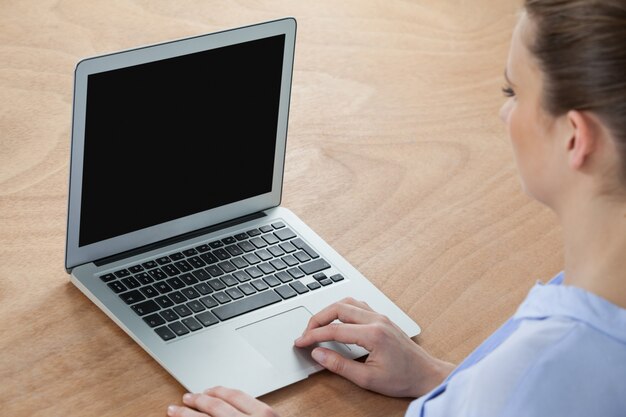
x=273, y=338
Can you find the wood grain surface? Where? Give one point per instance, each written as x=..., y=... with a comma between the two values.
x=396, y=156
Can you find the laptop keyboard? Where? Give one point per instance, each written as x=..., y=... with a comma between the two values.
x=182, y=292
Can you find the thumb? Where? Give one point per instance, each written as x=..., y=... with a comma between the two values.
x=351, y=370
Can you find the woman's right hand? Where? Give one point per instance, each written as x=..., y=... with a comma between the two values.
x=396, y=366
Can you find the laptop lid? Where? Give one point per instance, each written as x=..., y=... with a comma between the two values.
x=174, y=137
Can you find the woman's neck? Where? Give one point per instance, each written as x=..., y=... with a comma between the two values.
x=595, y=247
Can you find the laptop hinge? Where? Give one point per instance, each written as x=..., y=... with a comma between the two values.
x=179, y=238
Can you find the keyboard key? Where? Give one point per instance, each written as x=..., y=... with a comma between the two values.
x=203, y=288
x=299, y=287
x=154, y=320
x=144, y=278
x=221, y=254
x=131, y=282
x=265, y=228
x=278, y=264
x=270, y=239
x=214, y=270
x=286, y=291
x=283, y=276
x=247, y=289
x=234, y=250
x=313, y=285
x=177, y=297
x=246, y=304
x=163, y=260
x=234, y=293
x=190, y=252
x=170, y=270
x=149, y=291
x=162, y=287
x=192, y=324
x=178, y=328
x=209, y=301
x=122, y=273
x=184, y=266
x=315, y=266
x=263, y=254
x=227, y=267
x=209, y=258
x=295, y=272
x=169, y=315
x=253, y=232
x=149, y=264
x=131, y=297
x=196, y=262
x=165, y=333
x=157, y=274
x=216, y=244
x=241, y=236
x=221, y=297
x=288, y=247
x=176, y=256
x=207, y=318
x=239, y=262
x=190, y=293
x=302, y=256
x=246, y=246
x=319, y=276
x=276, y=251
x=216, y=284
x=117, y=287
x=203, y=248
x=182, y=310
x=107, y=277
x=196, y=306
x=229, y=280
x=229, y=240
x=188, y=279
x=258, y=242
x=146, y=307
x=251, y=258
x=259, y=285
x=299, y=243
x=254, y=272
x=266, y=268
x=201, y=274
x=176, y=283
x=278, y=225
x=241, y=276
x=290, y=260
x=164, y=301
x=337, y=277
x=285, y=234
x=271, y=280
x=326, y=282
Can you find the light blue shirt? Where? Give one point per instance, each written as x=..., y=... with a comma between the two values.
x=563, y=353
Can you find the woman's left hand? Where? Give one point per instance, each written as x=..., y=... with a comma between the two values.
x=220, y=402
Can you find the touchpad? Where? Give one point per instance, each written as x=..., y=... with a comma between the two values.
x=273, y=338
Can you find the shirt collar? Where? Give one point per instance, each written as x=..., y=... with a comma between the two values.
x=557, y=300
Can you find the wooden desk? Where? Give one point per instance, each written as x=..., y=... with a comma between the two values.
x=395, y=155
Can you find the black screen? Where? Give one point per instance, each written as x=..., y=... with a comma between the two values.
x=175, y=137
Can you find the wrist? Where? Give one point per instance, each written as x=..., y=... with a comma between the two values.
x=437, y=371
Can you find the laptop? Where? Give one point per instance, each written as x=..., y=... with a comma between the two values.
x=175, y=226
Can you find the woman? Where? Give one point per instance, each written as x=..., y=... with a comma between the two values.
x=564, y=351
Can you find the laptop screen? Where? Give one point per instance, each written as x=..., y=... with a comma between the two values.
x=178, y=136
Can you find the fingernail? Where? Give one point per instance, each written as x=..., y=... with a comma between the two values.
x=187, y=397
x=319, y=355
x=298, y=340
x=171, y=410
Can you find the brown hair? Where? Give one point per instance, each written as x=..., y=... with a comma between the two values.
x=581, y=49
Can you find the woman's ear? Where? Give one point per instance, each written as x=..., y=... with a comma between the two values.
x=582, y=141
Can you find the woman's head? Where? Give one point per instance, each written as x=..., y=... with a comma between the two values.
x=567, y=72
